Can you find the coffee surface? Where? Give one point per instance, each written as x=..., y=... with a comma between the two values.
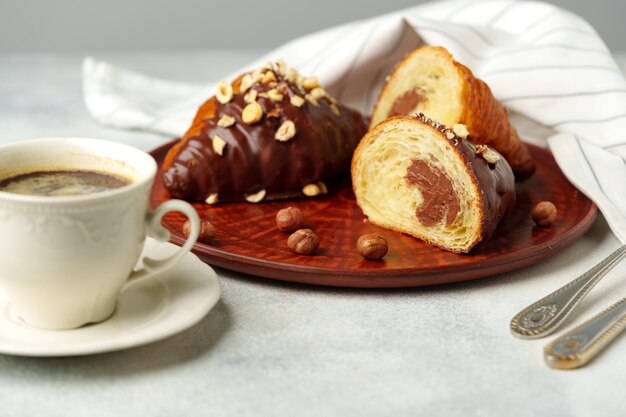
x=62, y=183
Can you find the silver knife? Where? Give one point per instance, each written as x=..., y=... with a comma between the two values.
x=581, y=344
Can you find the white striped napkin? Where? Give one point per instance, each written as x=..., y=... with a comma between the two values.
x=546, y=64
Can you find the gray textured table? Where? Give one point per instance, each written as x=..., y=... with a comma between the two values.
x=271, y=348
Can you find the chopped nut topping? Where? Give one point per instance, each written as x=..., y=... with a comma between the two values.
x=268, y=77
x=250, y=96
x=256, y=197
x=460, y=130
x=312, y=100
x=318, y=93
x=450, y=134
x=246, y=82
x=335, y=109
x=212, y=199
x=487, y=153
x=292, y=75
x=218, y=145
x=281, y=67
x=275, y=112
x=311, y=190
x=252, y=113
x=257, y=75
x=274, y=95
x=310, y=83
x=296, y=101
x=224, y=92
x=286, y=131
x=226, y=121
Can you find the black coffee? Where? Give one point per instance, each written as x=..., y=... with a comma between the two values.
x=62, y=183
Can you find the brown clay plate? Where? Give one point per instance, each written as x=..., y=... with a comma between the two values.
x=248, y=241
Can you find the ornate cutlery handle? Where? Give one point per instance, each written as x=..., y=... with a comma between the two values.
x=543, y=317
x=581, y=344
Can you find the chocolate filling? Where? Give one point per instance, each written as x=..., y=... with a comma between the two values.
x=406, y=103
x=440, y=200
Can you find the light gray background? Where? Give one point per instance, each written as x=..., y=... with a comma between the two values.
x=97, y=25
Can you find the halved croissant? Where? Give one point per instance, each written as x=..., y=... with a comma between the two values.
x=418, y=177
x=430, y=81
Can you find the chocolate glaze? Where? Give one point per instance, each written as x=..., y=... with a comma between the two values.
x=406, y=102
x=495, y=181
x=440, y=200
x=254, y=160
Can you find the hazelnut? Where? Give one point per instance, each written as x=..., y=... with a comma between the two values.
x=212, y=199
x=250, y=96
x=296, y=101
x=318, y=93
x=311, y=190
x=460, y=130
x=246, y=82
x=207, y=231
x=280, y=67
x=372, y=246
x=275, y=112
x=286, y=131
x=487, y=153
x=218, y=145
x=310, y=83
x=303, y=242
x=226, y=121
x=268, y=77
x=274, y=95
x=224, y=92
x=252, y=113
x=256, y=197
x=289, y=219
x=292, y=75
x=544, y=213
x=311, y=99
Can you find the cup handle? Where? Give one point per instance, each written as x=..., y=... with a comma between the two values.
x=156, y=230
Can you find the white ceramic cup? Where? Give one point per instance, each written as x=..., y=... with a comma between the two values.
x=65, y=259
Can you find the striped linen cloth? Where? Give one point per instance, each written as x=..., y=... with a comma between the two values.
x=547, y=65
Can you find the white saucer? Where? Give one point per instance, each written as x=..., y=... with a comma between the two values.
x=147, y=311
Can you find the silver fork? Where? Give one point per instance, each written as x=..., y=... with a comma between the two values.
x=544, y=316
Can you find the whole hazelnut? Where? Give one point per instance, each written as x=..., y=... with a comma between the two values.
x=303, y=242
x=207, y=231
x=372, y=246
x=544, y=214
x=289, y=219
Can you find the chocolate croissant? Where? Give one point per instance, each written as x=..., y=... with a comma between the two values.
x=418, y=177
x=430, y=81
x=270, y=134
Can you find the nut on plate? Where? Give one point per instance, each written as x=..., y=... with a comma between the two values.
x=303, y=242
x=289, y=219
x=207, y=231
x=372, y=246
x=544, y=213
